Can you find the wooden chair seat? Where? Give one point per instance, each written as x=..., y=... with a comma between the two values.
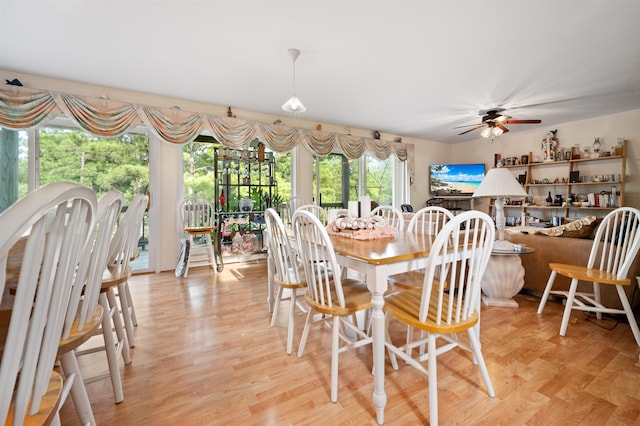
x=49, y=404
x=405, y=306
x=583, y=273
x=200, y=230
x=114, y=276
x=357, y=298
x=407, y=280
x=411, y=280
x=77, y=337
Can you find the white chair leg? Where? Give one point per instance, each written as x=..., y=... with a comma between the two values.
x=569, y=304
x=290, y=326
x=630, y=317
x=112, y=308
x=335, y=346
x=212, y=258
x=132, y=309
x=477, y=353
x=126, y=313
x=305, y=333
x=547, y=291
x=276, y=306
x=111, y=349
x=409, y=340
x=597, y=298
x=79, y=394
x=433, y=380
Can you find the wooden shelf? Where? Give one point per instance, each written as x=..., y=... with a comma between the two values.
x=562, y=170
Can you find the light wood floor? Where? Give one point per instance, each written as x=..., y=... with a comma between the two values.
x=205, y=354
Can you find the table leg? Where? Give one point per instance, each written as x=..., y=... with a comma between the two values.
x=379, y=395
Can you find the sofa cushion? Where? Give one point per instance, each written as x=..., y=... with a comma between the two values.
x=579, y=228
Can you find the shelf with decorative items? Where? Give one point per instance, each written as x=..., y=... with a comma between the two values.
x=580, y=182
x=245, y=184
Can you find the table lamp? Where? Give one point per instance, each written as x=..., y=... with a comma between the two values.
x=500, y=184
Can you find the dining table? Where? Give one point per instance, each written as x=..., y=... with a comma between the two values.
x=377, y=259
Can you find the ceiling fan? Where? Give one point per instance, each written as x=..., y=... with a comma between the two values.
x=493, y=122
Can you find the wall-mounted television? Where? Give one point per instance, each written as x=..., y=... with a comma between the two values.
x=455, y=179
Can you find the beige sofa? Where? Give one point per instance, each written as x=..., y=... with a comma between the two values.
x=565, y=250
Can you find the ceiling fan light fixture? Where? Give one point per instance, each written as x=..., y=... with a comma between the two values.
x=294, y=105
x=496, y=131
x=486, y=132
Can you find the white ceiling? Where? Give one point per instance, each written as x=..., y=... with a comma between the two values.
x=411, y=68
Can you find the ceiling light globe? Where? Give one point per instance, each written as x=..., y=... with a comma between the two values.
x=294, y=105
x=486, y=132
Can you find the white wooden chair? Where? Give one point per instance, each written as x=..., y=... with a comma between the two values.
x=428, y=220
x=614, y=249
x=85, y=314
x=123, y=249
x=458, y=257
x=198, y=222
x=289, y=275
x=54, y=223
x=287, y=209
x=316, y=210
x=392, y=215
x=328, y=293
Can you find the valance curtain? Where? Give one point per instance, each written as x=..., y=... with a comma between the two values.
x=23, y=107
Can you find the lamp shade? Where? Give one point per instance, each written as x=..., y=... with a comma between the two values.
x=499, y=182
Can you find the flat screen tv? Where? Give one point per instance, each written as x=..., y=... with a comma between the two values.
x=455, y=179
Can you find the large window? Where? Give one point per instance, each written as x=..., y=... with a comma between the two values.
x=341, y=180
x=51, y=154
x=103, y=165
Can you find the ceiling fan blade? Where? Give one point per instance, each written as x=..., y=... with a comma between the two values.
x=471, y=130
x=504, y=129
x=466, y=125
x=523, y=121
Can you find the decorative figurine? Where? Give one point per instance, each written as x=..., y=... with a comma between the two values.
x=549, y=146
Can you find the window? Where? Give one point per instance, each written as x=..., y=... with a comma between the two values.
x=103, y=165
x=341, y=180
x=51, y=154
x=198, y=166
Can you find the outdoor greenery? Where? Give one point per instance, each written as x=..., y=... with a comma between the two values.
x=120, y=164
x=199, y=177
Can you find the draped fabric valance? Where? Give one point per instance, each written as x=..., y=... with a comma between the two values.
x=22, y=108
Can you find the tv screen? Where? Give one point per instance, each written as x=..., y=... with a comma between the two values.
x=455, y=179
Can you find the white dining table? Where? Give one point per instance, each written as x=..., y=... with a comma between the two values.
x=377, y=259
